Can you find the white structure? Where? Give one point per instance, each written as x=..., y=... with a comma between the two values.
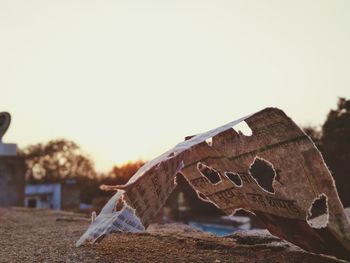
x=6, y=149
x=43, y=196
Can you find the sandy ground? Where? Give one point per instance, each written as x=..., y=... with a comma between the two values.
x=35, y=235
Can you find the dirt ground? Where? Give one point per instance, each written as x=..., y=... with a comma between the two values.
x=35, y=235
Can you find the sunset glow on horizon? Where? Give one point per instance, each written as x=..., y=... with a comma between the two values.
x=127, y=80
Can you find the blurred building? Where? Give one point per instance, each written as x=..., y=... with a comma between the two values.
x=43, y=196
x=12, y=169
x=63, y=196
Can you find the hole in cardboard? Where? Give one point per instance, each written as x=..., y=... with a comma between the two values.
x=234, y=178
x=209, y=141
x=263, y=173
x=318, y=213
x=243, y=128
x=211, y=174
x=119, y=205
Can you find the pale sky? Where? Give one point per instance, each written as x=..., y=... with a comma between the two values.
x=129, y=79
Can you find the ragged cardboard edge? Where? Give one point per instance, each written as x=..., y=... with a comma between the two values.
x=99, y=228
x=111, y=220
x=196, y=139
x=105, y=228
x=256, y=179
x=321, y=220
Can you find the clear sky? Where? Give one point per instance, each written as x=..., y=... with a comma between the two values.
x=129, y=79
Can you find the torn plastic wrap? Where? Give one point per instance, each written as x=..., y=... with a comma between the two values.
x=276, y=173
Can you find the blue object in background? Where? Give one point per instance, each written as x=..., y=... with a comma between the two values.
x=218, y=230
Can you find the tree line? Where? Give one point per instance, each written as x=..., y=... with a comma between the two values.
x=58, y=161
x=333, y=140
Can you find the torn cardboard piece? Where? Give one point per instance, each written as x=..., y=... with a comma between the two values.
x=276, y=173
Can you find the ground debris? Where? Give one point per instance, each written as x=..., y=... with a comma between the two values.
x=38, y=238
x=254, y=237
